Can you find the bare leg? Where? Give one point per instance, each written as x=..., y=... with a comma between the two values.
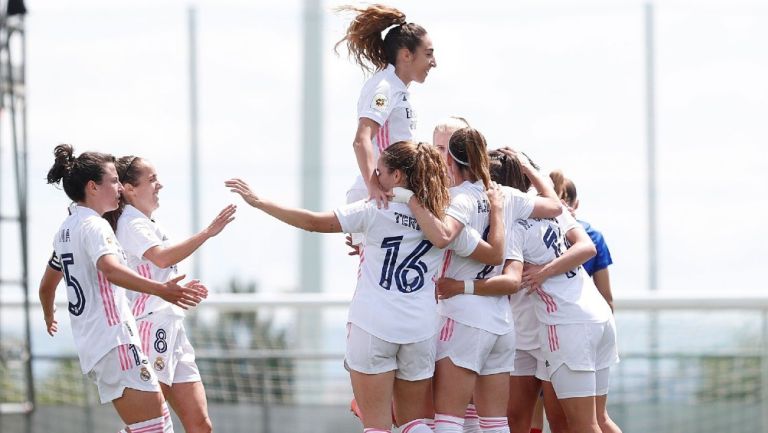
x=523, y=395
x=373, y=393
x=189, y=402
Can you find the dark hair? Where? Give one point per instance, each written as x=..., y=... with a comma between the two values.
x=425, y=173
x=128, y=170
x=467, y=147
x=564, y=187
x=75, y=173
x=364, y=41
x=506, y=170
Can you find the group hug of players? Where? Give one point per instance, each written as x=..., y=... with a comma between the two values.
x=471, y=300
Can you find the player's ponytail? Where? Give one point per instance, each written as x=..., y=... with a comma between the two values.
x=564, y=187
x=468, y=149
x=425, y=173
x=128, y=170
x=364, y=41
x=75, y=172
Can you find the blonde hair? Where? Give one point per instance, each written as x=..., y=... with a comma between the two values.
x=451, y=124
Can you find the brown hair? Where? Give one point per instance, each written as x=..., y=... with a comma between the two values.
x=506, y=170
x=364, y=41
x=564, y=187
x=425, y=173
x=75, y=172
x=468, y=149
x=128, y=170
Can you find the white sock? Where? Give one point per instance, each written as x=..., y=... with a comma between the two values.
x=448, y=424
x=471, y=421
x=122, y=431
x=375, y=430
x=415, y=426
x=154, y=425
x=497, y=424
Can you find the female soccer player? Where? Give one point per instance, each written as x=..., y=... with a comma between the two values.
x=151, y=254
x=577, y=334
x=392, y=318
x=92, y=261
x=384, y=111
x=509, y=169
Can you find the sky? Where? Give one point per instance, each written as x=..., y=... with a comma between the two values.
x=563, y=81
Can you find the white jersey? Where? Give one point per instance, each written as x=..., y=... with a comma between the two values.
x=470, y=206
x=385, y=100
x=137, y=234
x=99, y=312
x=395, y=295
x=566, y=298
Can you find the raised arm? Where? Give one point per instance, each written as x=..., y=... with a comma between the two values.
x=505, y=284
x=547, y=204
x=581, y=250
x=324, y=222
x=185, y=296
x=164, y=257
x=47, y=293
x=363, y=146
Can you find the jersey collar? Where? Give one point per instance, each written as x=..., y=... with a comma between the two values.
x=390, y=70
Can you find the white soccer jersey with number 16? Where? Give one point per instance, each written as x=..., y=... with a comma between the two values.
x=395, y=295
x=99, y=312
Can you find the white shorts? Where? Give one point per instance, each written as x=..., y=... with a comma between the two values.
x=357, y=192
x=570, y=383
x=171, y=356
x=580, y=346
x=369, y=354
x=528, y=363
x=123, y=367
x=476, y=349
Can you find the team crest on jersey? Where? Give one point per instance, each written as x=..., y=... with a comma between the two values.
x=159, y=363
x=145, y=374
x=380, y=102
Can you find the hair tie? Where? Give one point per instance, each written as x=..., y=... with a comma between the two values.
x=466, y=164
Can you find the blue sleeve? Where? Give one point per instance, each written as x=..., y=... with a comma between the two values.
x=602, y=259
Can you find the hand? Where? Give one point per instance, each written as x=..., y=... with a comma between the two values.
x=533, y=277
x=495, y=197
x=240, y=187
x=183, y=297
x=355, y=248
x=376, y=192
x=51, y=325
x=448, y=288
x=523, y=160
x=570, y=209
x=224, y=217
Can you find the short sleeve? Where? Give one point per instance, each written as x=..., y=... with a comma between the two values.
x=54, y=262
x=99, y=239
x=516, y=241
x=356, y=217
x=138, y=236
x=376, y=102
x=460, y=208
x=520, y=204
x=465, y=243
x=566, y=221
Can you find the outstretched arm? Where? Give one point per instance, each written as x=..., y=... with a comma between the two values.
x=185, y=296
x=505, y=284
x=324, y=222
x=164, y=257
